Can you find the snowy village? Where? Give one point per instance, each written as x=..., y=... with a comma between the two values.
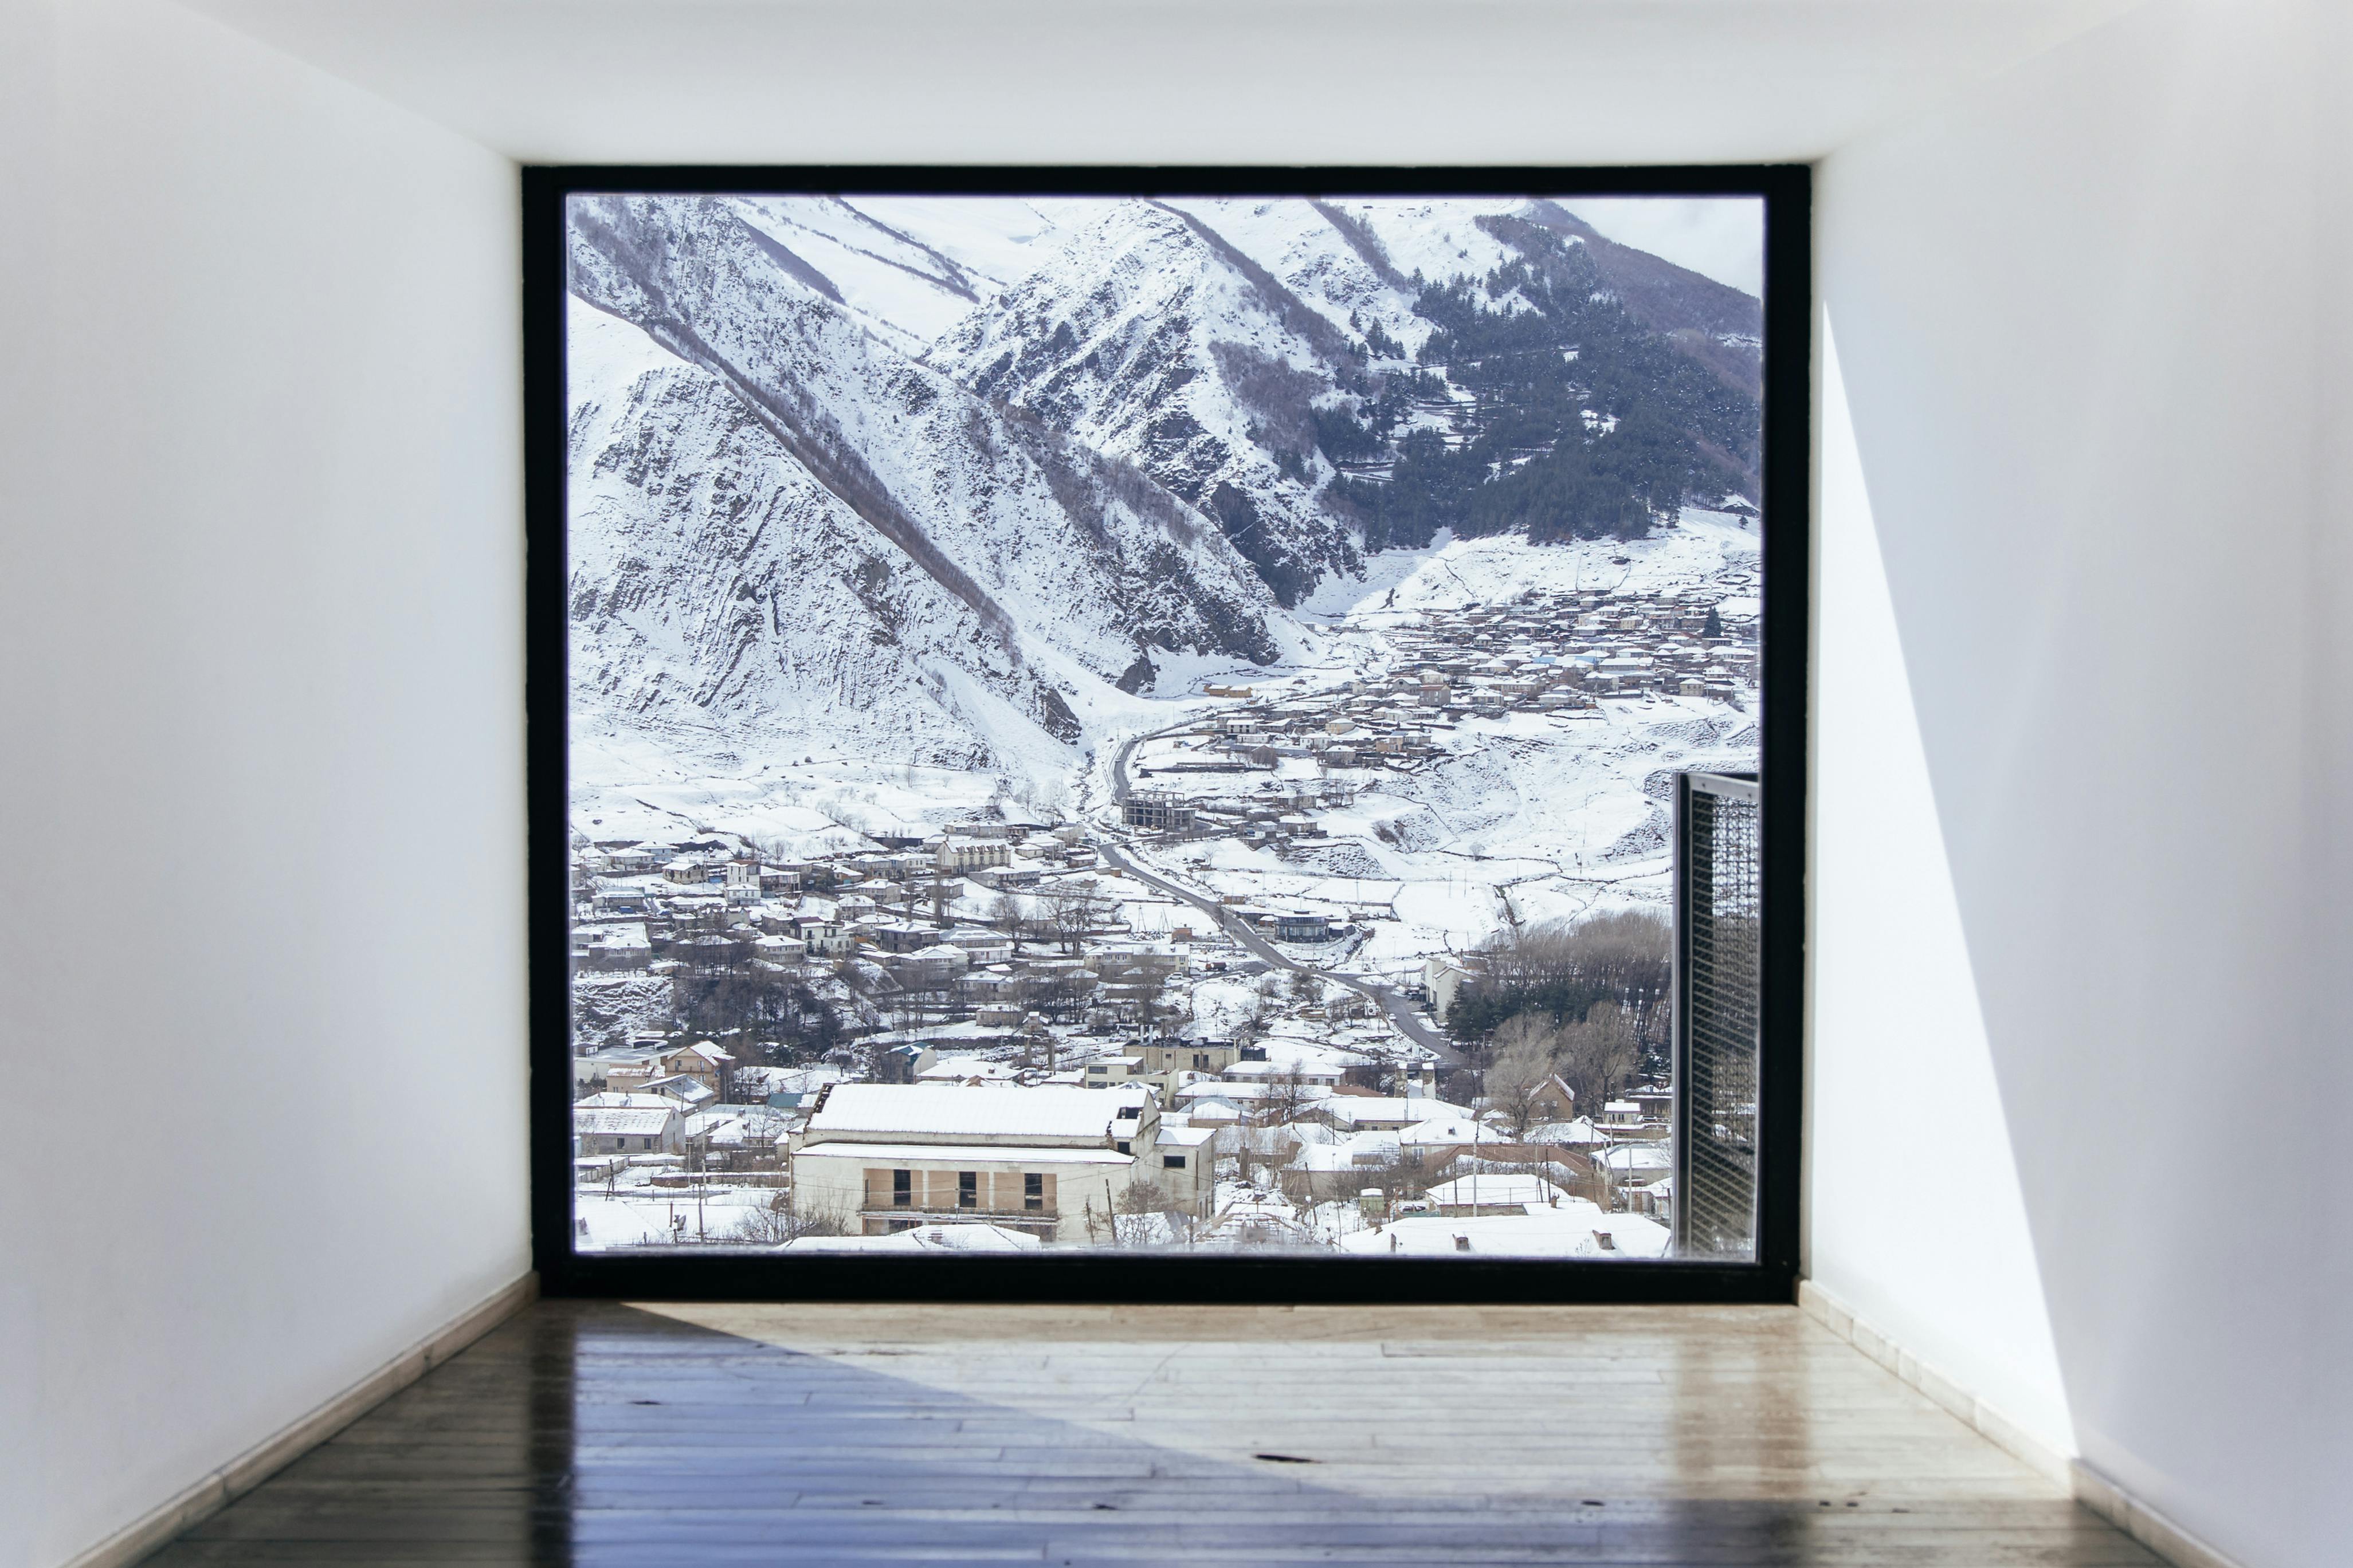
x=1112, y=723
x=1210, y=1008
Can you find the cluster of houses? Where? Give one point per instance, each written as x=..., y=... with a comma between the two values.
x=1547, y=652
x=1156, y=1141
x=1011, y=1086
x=1000, y=921
x=1561, y=649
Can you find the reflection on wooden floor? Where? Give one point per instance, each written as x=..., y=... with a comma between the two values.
x=597, y=1433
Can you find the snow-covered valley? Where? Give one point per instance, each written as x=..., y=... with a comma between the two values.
x=1008, y=634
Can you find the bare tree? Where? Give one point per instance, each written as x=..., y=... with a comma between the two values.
x=1521, y=1070
x=1395, y=1177
x=1071, y=913
x=1004, y=912
x=1137, y=1213
x=1255, y=1149
x=1254, y=1015
x=1597, y=1056
x=1563, y=968
x=1287, y=1096
x=780, y=1220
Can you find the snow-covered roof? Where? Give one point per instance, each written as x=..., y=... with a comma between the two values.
x=1241, y=1072
x=954, y=1110
x=626, y=1122
x=1208, y=1089
x=1490, y=1188
x=956, y=1069
x=681, y=1086
x=1458, y=1129
x=966, y=1153
x=1356, y=1110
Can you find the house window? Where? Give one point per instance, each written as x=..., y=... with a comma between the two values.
x=902, y=1189
x=967, y=1189
x=1172, y=1161
x=1122, y=1148
x=1033, y=1191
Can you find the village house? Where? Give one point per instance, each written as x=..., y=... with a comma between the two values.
x=1553, y=1101
x=902, y=1063
x=622, y=945
x=628, y=1130
x=1167, y=1056
x=966, y=1070
x=964, y=853
x=1492, y=1192
x=1368, y=1113
x=701, y=1061
x=1440, y=979
x=692, y=1093
x=1054, y=1162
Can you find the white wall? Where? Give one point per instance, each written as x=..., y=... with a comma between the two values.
x=2081, y=317
x=261, y=951
x=2084, y=669
x=1915, y=1219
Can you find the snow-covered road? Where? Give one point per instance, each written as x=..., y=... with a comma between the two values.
x=1400, y=1011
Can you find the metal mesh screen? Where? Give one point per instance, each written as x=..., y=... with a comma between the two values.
x=1718, y=909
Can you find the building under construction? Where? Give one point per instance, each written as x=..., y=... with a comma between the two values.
x=1159, y=811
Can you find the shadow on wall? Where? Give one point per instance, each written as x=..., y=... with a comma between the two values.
x=1916, y=1219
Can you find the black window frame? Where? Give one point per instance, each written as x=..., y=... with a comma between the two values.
x=1129, y=1276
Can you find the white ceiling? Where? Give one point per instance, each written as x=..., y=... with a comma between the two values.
x=1060, y=81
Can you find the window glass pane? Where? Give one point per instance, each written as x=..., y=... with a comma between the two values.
x=1187, y=704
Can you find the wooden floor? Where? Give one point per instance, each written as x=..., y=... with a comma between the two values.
x=603, y=1433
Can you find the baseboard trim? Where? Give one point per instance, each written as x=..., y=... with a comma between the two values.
x=1972, y=1412
x=258, y=1463
x=2143, y=1523
x=2088, y=1486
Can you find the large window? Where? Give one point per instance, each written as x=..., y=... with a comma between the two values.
x=1136, y=721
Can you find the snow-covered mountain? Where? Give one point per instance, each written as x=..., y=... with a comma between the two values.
x=943, y=479
x=786, y=531
x=1150, y=336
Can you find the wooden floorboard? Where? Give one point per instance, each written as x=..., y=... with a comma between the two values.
x=597, y=1434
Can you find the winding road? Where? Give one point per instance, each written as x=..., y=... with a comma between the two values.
x=1400, y=1012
